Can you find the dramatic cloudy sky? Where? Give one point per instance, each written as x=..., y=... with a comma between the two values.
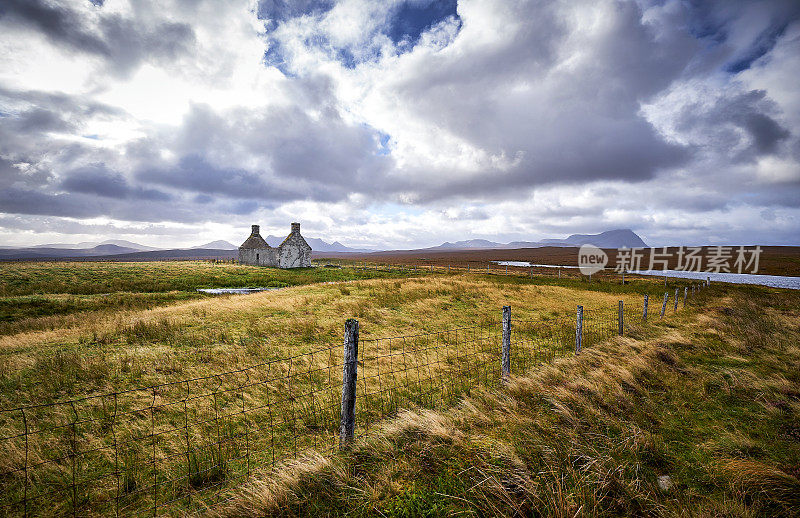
x=399, y=123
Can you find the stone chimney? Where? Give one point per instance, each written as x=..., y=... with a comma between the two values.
x=255, y=230
x=295, y=228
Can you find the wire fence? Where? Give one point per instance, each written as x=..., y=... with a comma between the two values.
x=176, y=447
x=509, y=268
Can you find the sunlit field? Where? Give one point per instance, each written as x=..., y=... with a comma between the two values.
x=144, y=355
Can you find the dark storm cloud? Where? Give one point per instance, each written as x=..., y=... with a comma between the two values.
x=749, y=111
x=122, y=42
x=74, y=104
x=38, y=202
x=22, y=201
x=195, y=173
x=37, y=120
x=323, y=159
x=98, y=179
x=576, y=126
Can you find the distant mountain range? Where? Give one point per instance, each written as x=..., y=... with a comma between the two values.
x=317, y=245
x=220, y=244
x=622, y=238
x=129, y=251
x=88, y=244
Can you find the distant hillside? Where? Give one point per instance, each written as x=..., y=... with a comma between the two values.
x=318, y=245
x=173, y=254
x=471, y=243
x=220, y=244
x=622, y=238
x=93, y=244
x=61, y=253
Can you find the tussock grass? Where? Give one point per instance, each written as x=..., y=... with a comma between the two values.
x=711, y=402
x=125, y=346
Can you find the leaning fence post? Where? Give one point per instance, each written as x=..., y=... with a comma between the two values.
x=644, y=310
x=685, y=292
x=349, y=376
x=506, y=360
x=675, y=308
x=579, y=330
x=621, y=317
x=664, y=304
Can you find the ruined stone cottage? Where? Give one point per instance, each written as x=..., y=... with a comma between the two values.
x=294, y=252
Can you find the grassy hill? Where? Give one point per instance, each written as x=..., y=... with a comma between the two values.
x=122, y=389
x=699, y=417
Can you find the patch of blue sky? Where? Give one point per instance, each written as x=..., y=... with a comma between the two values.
x=383, y=141
x=413, y=17
x=395, y=210
x=274, y=57
x=764, y=43
x=406, y=24
x=277, y=11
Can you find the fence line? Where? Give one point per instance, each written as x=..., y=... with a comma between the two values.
x=177, y=446
x=486, y=267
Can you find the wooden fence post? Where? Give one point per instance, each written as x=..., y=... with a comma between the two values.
x=685, y=292
x=621, y=317
x=349, y=377
x=623, y=277
x=664, y=304
x=579, y=330
x=644, y=311
x=675, y=308
x=506, y=359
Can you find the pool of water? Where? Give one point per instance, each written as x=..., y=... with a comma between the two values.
x=774, y=281
x=526, y=264
x=234, y=291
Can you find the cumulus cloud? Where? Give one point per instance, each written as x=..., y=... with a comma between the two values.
x=123, y=42
x=402, y=123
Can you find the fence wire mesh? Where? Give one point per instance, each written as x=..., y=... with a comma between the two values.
x=175, y=447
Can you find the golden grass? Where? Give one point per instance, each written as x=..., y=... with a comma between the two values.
x=139, y=348
x=588, y=435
